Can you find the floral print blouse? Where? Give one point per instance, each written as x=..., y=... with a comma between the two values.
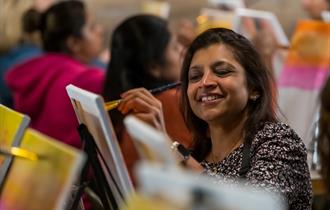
x=278, y=164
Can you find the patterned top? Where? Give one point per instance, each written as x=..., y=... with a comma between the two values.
x=278, y=164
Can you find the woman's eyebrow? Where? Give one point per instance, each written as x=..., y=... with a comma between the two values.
x=222, y=64
x=197, y=66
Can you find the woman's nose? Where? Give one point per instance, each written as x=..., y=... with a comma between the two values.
x=207, y=79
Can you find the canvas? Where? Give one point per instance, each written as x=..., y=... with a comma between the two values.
x=44, y=183
x=250, y=22
x=179, y=189
x=152, y=145
x=12, y=127
x=90, y=110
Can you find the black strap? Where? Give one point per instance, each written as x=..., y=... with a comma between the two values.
x=104, y=191
x=83, y=184
x=183, y=151
x=246, y=159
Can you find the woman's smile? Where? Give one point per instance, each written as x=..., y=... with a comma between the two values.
x=210, y=98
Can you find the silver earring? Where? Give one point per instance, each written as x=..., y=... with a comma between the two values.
x=254, y=98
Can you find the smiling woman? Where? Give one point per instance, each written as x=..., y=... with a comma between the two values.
x=229, y=103
x=224, y=64
x=228, y=99
x=212, y=66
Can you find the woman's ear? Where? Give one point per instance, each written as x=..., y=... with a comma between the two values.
x=254, y=95
x=73, y=45
x=155, y=71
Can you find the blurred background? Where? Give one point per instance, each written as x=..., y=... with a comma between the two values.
x=111, y=12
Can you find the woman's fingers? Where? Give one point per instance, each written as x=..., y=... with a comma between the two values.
x=138, y=100
x=138, y=104
x=141, y=103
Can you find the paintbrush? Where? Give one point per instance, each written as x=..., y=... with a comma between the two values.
x=113, y=104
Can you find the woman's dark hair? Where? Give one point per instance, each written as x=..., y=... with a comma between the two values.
x=60, y=21
x=138, y=45
x=324, y=144
x=258, y=78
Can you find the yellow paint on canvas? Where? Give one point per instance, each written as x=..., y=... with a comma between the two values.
x=45, y=182
x=10, y=123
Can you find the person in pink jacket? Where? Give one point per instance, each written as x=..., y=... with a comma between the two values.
x=71, y=40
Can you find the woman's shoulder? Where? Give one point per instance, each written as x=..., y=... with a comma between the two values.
x=276, y=130
x=279, y=161
x=277, y=133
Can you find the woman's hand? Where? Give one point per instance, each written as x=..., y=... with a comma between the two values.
x=142, y=104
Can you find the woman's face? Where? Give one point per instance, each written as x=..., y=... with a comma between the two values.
x=173, y=59
x=91, y=43
x=217, y=87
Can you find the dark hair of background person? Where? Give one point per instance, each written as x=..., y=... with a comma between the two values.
x=258, y=79
x=61, y=21
x=324, y=141
x=138, y=45
x=31, y=20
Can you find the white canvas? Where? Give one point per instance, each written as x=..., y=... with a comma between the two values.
x=179, y=187
x=89, y=109
x=257, y=15
x=152, y=145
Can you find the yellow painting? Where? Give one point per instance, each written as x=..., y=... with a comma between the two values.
x=12, y=126
x=44, y=183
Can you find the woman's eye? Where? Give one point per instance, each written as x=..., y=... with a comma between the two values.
x=222, y=72
x=194, y=77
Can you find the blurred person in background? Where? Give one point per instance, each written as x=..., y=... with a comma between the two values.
x=70, y=40
x=305, y=71
x=186, y=32
x=144, y=53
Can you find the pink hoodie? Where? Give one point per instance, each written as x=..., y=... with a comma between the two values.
x=38, y=88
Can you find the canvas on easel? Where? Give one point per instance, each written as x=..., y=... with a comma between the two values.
x=90, y=111
x=12, y=127
x=44, y=182
x=151, y=144
x=250, y=22
x=172, y=188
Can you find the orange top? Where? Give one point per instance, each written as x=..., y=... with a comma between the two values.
x=175, y=126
